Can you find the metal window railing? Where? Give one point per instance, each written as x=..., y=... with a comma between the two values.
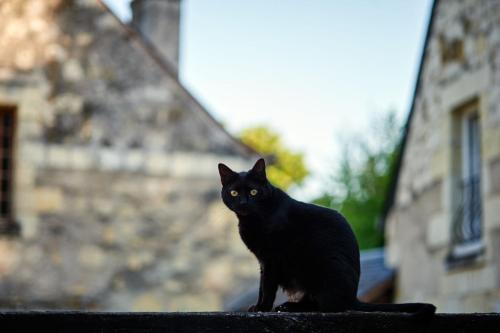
x=467, y=220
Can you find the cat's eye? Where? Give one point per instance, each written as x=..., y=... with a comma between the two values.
x=234, y=193
x=254, y=192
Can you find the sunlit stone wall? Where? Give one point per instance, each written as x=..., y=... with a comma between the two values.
x=116, y=186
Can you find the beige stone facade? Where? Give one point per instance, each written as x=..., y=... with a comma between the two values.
x=115, y=190
x=459, y=83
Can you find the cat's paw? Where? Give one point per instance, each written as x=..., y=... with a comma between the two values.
x=260, y=308
x=288, y=307
x=297, y=307
x=254, y=308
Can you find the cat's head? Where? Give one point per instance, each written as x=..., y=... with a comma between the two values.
x=245, y=192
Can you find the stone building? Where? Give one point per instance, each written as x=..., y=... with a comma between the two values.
x=109, y=188
x=443, y=218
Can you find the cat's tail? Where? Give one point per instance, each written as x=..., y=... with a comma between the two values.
x=417, y=309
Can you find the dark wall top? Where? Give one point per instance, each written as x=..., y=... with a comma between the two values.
x=243, y=322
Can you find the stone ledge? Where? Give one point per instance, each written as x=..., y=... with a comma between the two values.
x=62, y=321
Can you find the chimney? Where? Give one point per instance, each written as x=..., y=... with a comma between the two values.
x=158, y=21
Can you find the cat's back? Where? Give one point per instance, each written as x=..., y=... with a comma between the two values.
x=327, y=228
x=314, y=216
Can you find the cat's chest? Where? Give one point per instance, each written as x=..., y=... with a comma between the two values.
x=266, y=237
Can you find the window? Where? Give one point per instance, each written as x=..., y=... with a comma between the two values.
x=467, y=218
x=7, y=130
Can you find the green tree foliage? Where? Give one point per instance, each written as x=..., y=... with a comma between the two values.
x=287, y=167
x=359, y=187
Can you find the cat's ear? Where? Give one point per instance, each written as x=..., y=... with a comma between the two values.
x=226, y=174
x=259, y=169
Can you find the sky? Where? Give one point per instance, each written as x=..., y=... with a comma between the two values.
x=315, y=71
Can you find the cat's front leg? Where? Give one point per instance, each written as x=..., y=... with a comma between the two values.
x=267, y=289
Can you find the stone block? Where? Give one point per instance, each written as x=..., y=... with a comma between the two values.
x=29, y=226
x=467, y=86
x=187, y=302
x=201, y=165
x=217, y=276
x=110, y=160
x=392, y=249
x=494, y=176
x=29, y=130
x=84, y=39
x=138, y=260
x=468, y=281
x=58, y=157
x=134, y=160
x=492, y=212
x=173, y=286
x=48, y=200
x=481, y=45
x=78, y=289
x=72, y=70
x=33, y=154
x=450, y=304
x=25, y=176
x=475, y=303
x=438, y=231
x=10, y=256
x=157, y=163
x=103, y=206
x=91, y=256
x=491, y=144
x=24, y=200
x=68, y=103
x=148, y=301
x=439, y=163
x=82, y=159
x=494, y=301
x=108, y=236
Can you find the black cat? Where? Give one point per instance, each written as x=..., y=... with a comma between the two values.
x=308, y=250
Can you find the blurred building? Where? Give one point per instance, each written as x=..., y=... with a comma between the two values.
x=109, y=187
x=443, y=217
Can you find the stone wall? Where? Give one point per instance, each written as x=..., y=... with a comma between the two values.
x=116, y=185
x=461, y=67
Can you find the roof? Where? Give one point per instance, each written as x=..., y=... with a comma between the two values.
x=374, y=273
x=171, y=71
x=393, y=184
